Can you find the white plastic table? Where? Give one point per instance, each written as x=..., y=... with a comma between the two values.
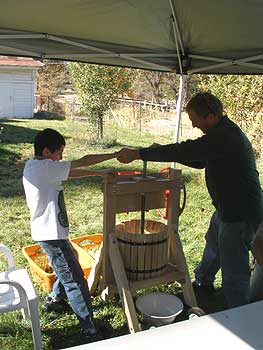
x=239, y=328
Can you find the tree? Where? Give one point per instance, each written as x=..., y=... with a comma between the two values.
x=155, y=86
x=53, y=77
x=171, y=85
x=98, y=88
x=155, y=80
x=242, y=99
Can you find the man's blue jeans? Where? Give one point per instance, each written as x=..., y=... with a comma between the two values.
x=227, y=247
x=70, y=282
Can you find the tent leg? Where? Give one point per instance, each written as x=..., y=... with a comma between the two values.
x=179, y=104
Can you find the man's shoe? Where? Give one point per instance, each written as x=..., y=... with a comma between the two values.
x=89, y=331
x=55, y=305
x=203, y=288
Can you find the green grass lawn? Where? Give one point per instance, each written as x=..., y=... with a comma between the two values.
x=84, y=205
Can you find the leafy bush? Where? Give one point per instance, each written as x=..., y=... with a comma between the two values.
x=106, y=142
x=242, y=98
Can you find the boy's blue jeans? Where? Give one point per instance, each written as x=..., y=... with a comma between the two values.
x=227, y=247
x=70, y=282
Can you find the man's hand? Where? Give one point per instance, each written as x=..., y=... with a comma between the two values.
x=127, y=155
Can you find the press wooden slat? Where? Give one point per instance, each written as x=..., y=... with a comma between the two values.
x=141, y=258
x=148, y=257
x=154, y=253
x=123, y=285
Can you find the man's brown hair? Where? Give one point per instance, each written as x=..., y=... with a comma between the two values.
x=204, y=103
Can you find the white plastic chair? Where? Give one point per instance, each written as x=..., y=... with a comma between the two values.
x=17, y=292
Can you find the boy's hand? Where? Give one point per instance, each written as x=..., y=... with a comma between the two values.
x=107, y=172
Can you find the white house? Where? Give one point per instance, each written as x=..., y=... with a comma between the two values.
x=17, y=86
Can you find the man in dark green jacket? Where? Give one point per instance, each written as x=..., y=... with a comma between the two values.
x=233, y=183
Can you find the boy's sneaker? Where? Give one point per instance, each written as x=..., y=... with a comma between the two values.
x=89, y=331
x=55, y=305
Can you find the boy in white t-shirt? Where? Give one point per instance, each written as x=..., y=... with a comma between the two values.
x=42, y=180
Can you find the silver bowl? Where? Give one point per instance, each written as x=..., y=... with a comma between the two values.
x=158, y=308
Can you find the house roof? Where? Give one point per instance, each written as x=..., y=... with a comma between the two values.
x=20, y=61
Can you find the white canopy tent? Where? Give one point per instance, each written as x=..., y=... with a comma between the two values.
x=181, y=36
x=185, y=36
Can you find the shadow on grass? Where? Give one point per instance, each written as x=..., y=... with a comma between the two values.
x=208, y=302
x=15, y=134
x=11, y=163
x=69, y=335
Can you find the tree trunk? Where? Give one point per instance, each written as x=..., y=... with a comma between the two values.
x=155, y=81
x=100, y=128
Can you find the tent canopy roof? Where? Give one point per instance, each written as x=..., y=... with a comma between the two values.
x=185, y=36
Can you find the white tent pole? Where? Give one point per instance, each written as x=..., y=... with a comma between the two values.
x=176, y=27
x=179, y=110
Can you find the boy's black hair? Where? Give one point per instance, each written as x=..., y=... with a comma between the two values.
x=49, y=138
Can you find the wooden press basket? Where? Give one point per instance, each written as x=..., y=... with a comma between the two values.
x=144, y=255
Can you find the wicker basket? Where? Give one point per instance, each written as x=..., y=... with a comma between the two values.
x=42, y=273
x=144, y=255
